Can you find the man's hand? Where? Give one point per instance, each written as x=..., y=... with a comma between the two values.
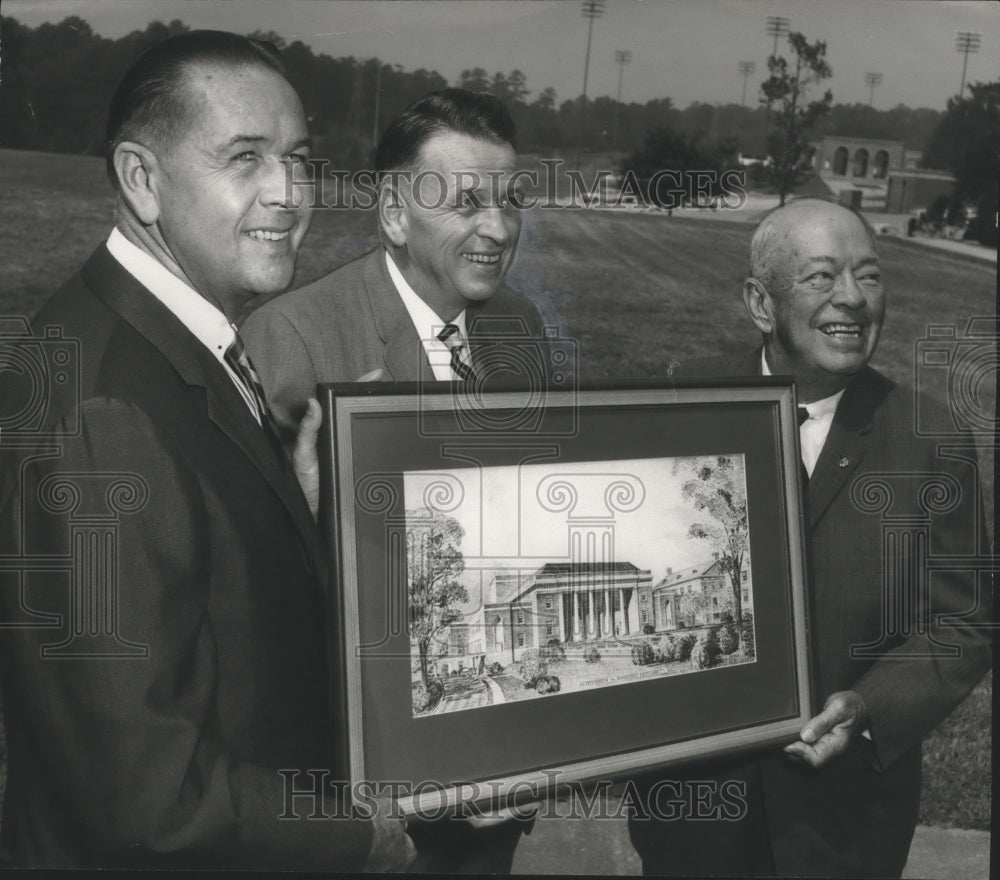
x=392, y=849
x=829, y=734
x=305, y=462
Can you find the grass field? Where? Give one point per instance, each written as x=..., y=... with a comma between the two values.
x=636, y=291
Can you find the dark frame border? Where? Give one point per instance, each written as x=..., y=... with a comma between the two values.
x=343, y=403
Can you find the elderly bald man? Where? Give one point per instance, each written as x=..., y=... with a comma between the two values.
x=843, y=799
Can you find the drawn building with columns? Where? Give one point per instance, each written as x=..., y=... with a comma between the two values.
x=573, y=603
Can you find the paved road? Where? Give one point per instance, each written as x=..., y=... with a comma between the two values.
x=601, y=846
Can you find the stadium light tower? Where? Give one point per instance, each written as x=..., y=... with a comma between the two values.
x=746, y=68
x=872, y=80
x=589, y=9
x=622, y=57
x=777, y=26
x=966, y=42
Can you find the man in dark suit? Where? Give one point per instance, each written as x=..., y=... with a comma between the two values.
x=895, y=649
x=428, y=303
x=164, y=669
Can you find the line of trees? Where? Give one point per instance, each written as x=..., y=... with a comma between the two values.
x=58, y=80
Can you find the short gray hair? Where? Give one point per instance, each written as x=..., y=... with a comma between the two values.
x=768, y=238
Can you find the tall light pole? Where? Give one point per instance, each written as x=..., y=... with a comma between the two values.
x=777, y=26
x=966, y=42
x=872, y=80
x=378, y=95
x=622, y=57
x=589, y=9
x=746, y=68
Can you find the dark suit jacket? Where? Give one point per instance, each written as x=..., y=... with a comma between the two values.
x=154, y=736
x=856, y=817
x=353, y=321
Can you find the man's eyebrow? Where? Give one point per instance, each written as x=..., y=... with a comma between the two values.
x=243, y=139
x=239, y=139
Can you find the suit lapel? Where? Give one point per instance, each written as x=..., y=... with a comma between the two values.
x=847, y=441
x=403, y=354
x=120, y=291
x=848, y=438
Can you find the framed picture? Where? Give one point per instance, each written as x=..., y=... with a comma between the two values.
x=535, y=589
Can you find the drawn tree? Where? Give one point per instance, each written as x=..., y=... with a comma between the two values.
x=693, y=608
x=717, y=486
x=784, y=93
x=434, y=564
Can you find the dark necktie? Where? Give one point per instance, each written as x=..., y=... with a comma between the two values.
x=451, y=336
x=239, y=362
x=803, y=418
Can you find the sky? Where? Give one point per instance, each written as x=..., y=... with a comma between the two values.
x=507, y=525
x=688, y=50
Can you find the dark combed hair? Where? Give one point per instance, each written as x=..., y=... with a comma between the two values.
x=149, y=104
x=476, y=114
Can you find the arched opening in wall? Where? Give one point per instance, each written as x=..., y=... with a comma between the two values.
x=860, y=163
x=840, y=161
x=880, y=166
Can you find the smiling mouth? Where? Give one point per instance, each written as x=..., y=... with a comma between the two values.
x=842, y=331
x=268, y=235
x=483, y=259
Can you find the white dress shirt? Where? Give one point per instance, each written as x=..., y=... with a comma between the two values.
x=208, y=325
x=428, y=324
x=814, y=430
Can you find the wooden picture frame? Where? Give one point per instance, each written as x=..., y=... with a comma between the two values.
x=570, y=507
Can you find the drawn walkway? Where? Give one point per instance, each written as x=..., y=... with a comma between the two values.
x=461, y=692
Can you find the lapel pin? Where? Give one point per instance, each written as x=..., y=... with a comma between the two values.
x=844, y=461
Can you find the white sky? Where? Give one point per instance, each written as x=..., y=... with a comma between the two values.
x=506, y=523
x=685, y=49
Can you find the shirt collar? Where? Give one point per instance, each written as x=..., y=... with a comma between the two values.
x=818, y=409
x=207, y=323
x=426, y=321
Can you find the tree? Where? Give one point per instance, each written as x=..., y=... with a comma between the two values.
x=435, y=561
x=966, y=143
x=784, y=94
x=717, y=486
x=475, y=80
x=670, y=167
x=693, y=608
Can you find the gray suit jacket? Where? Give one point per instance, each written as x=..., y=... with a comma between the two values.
x=353, y=321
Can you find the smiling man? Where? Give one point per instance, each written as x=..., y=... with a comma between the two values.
x=894, y=649
x=430, y=301
x=164, y=667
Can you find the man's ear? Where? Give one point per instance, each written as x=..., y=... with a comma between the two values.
x=392, y=213
x=759, y=305
x=137, y=168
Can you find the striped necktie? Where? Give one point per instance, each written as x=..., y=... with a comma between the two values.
x=239, y=362
x=451, y=336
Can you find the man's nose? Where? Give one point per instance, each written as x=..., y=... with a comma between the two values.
x=285, y=184
x=490, y=224
x=848, y=293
